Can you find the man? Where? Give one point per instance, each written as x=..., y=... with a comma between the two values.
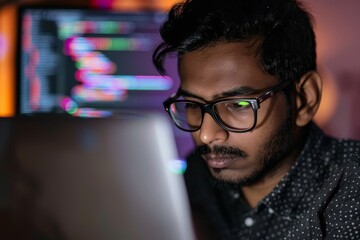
x=249, y=90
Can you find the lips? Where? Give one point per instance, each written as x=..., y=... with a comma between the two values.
x=219, y=161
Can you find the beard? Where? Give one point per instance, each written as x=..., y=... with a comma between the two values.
x=271, y=155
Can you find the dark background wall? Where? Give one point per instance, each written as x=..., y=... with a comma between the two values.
x=338, y=38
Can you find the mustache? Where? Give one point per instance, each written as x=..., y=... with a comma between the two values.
x=221, y=151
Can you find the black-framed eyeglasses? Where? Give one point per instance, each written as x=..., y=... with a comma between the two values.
x=232, y=114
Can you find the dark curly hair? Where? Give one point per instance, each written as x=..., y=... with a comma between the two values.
x=282, y=31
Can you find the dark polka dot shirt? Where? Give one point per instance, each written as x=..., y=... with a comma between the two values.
x=319, y=198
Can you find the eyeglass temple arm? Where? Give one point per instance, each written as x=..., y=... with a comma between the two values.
x=273, y=91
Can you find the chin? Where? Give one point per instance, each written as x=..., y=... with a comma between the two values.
x=232, y=178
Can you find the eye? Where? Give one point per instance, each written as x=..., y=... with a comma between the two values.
x=191, y=105
x=243, y=104
x=238, y=105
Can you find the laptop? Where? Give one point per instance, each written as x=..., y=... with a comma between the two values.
x=108, y=178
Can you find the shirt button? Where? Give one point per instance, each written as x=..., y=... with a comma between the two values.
x=271, y=211
x=249, y=222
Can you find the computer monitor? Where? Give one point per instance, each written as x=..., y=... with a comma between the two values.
x=91, y=63
x=87, y=62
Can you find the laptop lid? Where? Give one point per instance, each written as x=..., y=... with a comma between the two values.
x=112, y=178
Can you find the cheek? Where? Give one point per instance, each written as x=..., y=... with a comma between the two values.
x=272, y=114
x=248, y=142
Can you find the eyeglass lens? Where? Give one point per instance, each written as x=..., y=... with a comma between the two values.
x=234, y=114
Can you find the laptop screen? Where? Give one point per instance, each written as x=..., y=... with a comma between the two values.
x=107, y=178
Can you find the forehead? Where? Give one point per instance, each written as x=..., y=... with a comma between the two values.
x=221, y=68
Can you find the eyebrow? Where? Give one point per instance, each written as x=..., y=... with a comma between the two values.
x=241, y=91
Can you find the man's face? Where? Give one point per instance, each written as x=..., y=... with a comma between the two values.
x=230, y=70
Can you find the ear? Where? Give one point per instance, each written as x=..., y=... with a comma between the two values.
x=308, y=96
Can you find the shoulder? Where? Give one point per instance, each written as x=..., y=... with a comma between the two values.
x=327, y=151
x=343, y=150
x=343, y=184
x=335, y=211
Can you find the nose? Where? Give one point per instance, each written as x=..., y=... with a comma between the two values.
x=211, y=132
